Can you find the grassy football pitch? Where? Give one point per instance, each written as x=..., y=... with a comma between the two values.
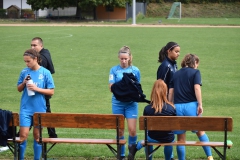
x=83, y=56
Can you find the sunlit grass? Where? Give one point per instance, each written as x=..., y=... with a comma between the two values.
x=83, y=57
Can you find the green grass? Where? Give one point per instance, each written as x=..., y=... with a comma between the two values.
x=140, y=20
x=83, y=57
x=188, y=21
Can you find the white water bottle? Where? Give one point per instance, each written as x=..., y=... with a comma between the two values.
x=30, y=81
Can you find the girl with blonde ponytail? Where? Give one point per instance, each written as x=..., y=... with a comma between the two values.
x=128, y=109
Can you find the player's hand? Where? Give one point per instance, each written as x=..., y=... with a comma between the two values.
x=199, y=110
x=32, y=87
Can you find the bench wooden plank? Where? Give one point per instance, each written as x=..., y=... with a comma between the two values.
x=68, y=120
x=186, y=123
x=192, y=143
x=83, y=141
x=17, y=139
x=15, y=120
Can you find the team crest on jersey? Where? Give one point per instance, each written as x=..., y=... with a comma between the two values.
x=40, y=76
x=110, y=77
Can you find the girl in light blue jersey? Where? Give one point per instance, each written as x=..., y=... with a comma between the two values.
x=128, y=109
x=42, y=85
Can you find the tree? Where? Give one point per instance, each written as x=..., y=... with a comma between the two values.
x=80, y=4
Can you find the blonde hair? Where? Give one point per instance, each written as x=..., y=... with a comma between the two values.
x=126, y=50
x=159, y=95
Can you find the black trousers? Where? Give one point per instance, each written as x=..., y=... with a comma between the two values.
x=51, y=131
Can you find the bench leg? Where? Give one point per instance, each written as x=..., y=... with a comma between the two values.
x=18, y=150
x=15, y=149
x=118, y=152
x=222, y=156
x=147, y=152
x=44, y=151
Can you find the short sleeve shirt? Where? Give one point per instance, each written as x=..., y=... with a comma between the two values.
x=116, y=74
x=42, y=78
x=166, y=70
x=183, y=83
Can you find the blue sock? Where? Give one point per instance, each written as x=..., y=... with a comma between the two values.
x=207, y=149
x=22, y=148
x=139, y=145
x=132, y=140
x=122, y=148
x=37, y=150
x=168, y=152
x=181, y=152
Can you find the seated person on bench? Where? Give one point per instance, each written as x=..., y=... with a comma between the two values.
x=159, y=106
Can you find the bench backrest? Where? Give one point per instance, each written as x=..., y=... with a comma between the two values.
x=185, y=123
x=15, y=120
x=73, y=120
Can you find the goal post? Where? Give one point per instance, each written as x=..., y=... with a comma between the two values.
x=175, y=11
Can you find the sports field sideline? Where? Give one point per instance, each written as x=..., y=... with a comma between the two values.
x=83, y=55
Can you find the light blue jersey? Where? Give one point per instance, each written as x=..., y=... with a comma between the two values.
x=42, y=78
x=128, y=109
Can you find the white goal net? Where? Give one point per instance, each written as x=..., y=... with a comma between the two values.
x=175, y=11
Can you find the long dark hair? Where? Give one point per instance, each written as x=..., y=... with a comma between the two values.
x=163, y=53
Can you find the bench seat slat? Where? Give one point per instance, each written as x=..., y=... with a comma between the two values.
x=193, y=143
x=84, y=141
x=18, y=140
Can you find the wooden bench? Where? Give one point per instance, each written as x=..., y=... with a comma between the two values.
x=14, y=142
x=89, y=121
x=167, y=123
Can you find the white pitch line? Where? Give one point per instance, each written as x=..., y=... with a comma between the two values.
x=20, y=35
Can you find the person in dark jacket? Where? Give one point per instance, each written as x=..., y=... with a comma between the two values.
x=159, y=106
x=167, y=57
x=37, y=44
x=5, y=132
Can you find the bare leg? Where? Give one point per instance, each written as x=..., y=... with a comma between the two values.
x=132, y=138
x=24, y=132
x=132, y=125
